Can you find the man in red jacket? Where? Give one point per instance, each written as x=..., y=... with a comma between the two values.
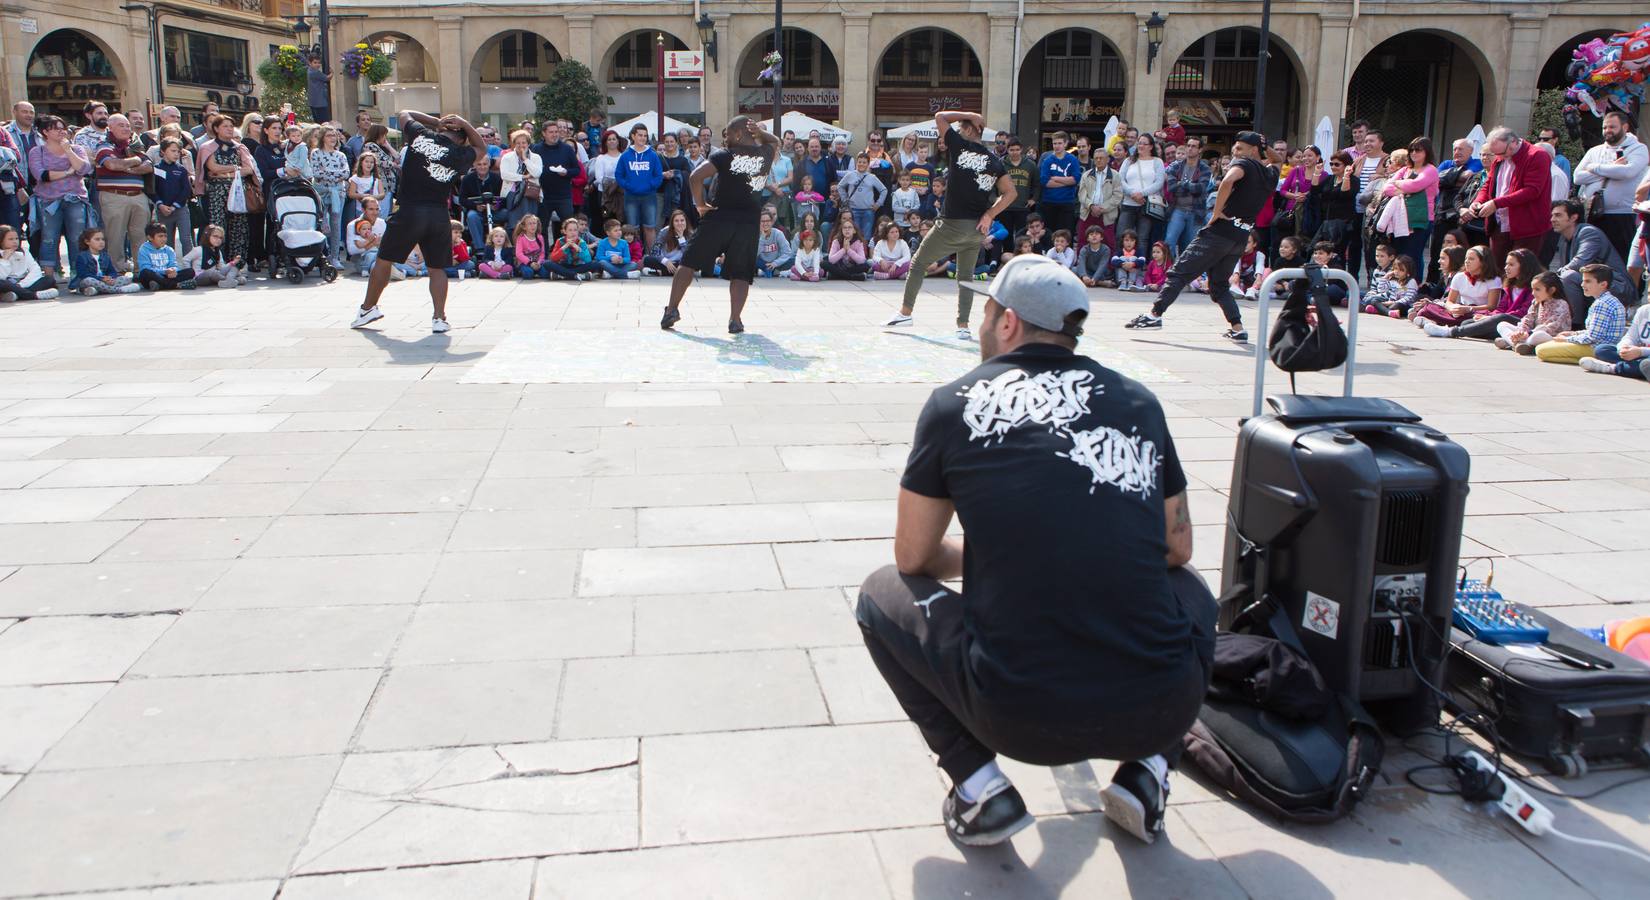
x=1516, y=197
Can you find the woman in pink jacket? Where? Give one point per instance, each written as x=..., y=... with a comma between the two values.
x=1419, y=177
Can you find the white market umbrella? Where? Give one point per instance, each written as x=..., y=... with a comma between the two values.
x=651, y=120
x=1110, y=132
x=924, y=130
x=805, y=125
x=1476, y=135
x=1324, y=138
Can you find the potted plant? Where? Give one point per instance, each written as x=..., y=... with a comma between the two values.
x=361, y=60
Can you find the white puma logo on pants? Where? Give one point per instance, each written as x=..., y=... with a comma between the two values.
x=925, y=604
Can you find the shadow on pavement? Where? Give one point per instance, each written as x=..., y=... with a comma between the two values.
x=424, y=351
x=750, y=350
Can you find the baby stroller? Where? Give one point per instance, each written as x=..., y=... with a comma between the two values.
x=296, y=244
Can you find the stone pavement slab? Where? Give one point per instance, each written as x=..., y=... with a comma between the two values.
x=842, y=865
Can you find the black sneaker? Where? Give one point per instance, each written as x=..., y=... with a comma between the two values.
x=736, y=327
x=1144, y=320
x=1236, y=335
x=1134, y=801
x=997, y=816
x=670, y=318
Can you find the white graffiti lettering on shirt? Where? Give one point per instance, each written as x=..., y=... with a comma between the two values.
x=972, y=161
x=1126, y=462
x=746, y=165
x=1053, y=399
x=429, y=148
x=984, y=182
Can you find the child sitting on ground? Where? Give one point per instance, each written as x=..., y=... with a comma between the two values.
x=1514, y=303
x=806, y=266
x=1473, y=289
x=571, y=259
x=530, y=255
x=414, y=267
x=1437, y=283
x=773, y=251
x=633, y=237
x=912, y=231
x=1395, y=294
x=20, y=275
x=1289, y=257
x=1606, y=321
x=498, y=258
x=1092, y=260
x=212, y=264
x=1128, y=264
x=93, y=272
x=1628, y=357
x=462, y=266
x=1157, y=270
x=613, y=253
x=1062, y=251
x=158, y=268
x=1251, y=265
x=890, y=257
x=808, y=202
x=1548, y=315
x=673, y=242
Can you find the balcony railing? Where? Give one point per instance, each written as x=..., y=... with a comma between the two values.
x=536, y=73
x=266, y=8
x=633, y=73
x=1077, y=73
x=1225, y=76
x=216, y=74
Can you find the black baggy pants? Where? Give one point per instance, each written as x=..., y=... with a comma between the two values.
x=1215, y=250
x=913, y=628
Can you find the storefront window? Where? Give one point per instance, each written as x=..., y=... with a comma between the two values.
x=66, y=69
x=204, y=60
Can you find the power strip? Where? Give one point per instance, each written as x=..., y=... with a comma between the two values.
x=1515, y=801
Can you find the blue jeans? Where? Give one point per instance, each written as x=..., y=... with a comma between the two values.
x=528, y=272
x=1627, y=368
x=641, y=210
x=864, y=219
x=368, y=260
x=1414, y=245
x=475, y=224
x=66, y=223
x=332, y=206
x=617, y=270
x=1183, y=223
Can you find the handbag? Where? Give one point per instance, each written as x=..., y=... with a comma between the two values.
x=529, y=185
x=1155, y=209
x=254, y=198
x=237, y=195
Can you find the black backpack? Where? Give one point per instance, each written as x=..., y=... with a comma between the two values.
x=1271, y=731
x=1299, y=345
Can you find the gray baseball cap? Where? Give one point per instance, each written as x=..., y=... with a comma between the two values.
x=1040, y=291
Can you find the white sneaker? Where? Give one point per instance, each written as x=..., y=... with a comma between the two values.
x=438, y=326
x=365, y=316
x=633, y=274
x=88, y=291
x=1596, y=366
x=1433, y=329
x=397, y=275
x=129, y=289
x=900, y=319
x=47, y=294
x=964, y=335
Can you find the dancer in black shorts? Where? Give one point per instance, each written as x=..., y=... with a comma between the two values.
x=728, y=227
x=439, y=152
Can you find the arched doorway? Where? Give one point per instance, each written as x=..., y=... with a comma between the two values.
x=631, y=80
x=1417, y=83
x=812, y=81
x=1073, y=81
x=1213, y=86
x=923, y=72
x=414, y=82
x=67, y=68
x=1555, y=76
x=507, y=71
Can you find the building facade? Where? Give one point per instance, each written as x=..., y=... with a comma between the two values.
x=60, y=55
x=1036, y=66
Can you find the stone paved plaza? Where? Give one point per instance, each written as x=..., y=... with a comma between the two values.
x=289, y=609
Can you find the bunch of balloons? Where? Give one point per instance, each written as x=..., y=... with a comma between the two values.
x=1607, y=74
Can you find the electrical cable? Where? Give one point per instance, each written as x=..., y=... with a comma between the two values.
x=1607, y=845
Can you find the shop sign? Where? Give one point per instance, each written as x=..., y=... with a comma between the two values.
x=233, y=102
x=757, y=98
x=64, y=91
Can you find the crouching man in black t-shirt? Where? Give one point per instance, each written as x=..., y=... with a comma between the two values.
x=439, y=152
x=1078, y=634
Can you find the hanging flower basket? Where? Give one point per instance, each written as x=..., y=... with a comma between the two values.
x=285, y=70
x=774, y=62
x=361, y=60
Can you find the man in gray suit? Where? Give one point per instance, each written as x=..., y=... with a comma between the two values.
x=1578, y=245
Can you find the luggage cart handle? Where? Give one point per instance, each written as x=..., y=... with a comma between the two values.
x=1265, y=292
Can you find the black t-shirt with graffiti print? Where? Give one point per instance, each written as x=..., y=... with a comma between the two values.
x=741, y=173
x=971, y=178
x=436, y=161
x=1059, y=468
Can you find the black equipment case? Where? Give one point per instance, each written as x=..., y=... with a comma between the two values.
x=1580, y=701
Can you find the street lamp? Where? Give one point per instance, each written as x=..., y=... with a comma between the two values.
x=300, y=30
x=1154, y=37
x=707, y=38
x=243, y=84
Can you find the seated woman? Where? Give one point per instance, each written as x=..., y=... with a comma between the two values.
x=1514, y=303
x=1474, y=289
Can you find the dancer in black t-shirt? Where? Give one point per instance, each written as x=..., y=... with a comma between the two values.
x=728, y=227
x=439, y=152
x=1217, y=246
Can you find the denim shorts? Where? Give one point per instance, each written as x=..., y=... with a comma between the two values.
x=641, y=210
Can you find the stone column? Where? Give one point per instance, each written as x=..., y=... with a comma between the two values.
x=14, y=55
x=580, y=45
x=856, y=108
x=1145, y=99
x=1517, y=83
x=1330, y=73
x=458, y=94
x=722, y=79
x=999, y=68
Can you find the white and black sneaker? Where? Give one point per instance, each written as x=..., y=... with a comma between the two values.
x=963, y=334
x=897, y=320
x=1136, y=797
x=1144, y=320
x=366, y=316
x=1236, y=335
x=439, y=326
x=998, y=815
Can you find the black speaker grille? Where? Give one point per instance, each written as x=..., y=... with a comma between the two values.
x=1404, y=532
